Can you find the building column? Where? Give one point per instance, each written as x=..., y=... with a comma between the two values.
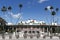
x=47, y=29
x=13, y=28
x=50, y=30
x=43, y=29
x=16, y=29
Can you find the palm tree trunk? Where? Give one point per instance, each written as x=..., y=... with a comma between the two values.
x=19, y=17
x=53, y=19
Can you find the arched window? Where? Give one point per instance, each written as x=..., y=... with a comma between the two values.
x=33, y=31
x=25, y=32
x=29, y=31
x=37, y=31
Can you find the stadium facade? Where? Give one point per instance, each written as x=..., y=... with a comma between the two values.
x=29, y=28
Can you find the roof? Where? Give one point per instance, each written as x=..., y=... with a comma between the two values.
x=2, y=20
x=32, y=26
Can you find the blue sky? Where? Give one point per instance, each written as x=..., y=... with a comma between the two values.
x=32, y=9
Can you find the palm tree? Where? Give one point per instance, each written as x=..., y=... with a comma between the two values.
x=20, y=6
x=51, y=7
x=53, y=12
x=57, y=9
x=3, y=9
x=9, y=8
x=46, y=9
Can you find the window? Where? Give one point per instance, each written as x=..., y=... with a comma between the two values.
x=29, y=31
x=33, y=31
x=37, y=31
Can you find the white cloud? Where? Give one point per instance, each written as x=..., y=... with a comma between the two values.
x=9, y=23
x=41, y=1
x=48, y=7
x=16, y=15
